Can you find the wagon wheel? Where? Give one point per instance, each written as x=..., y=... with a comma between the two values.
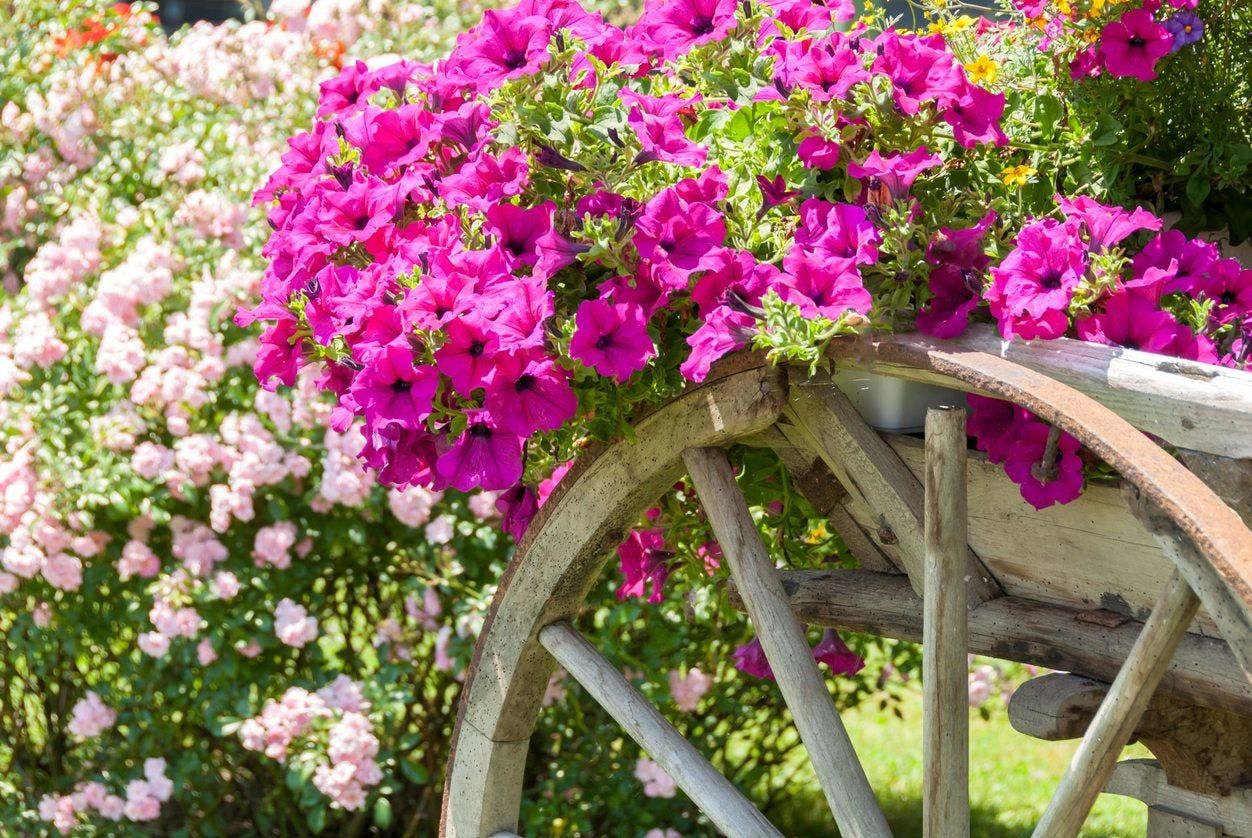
x=529, y=631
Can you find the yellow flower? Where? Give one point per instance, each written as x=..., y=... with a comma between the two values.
x=982, y=70
x=817, y=534
x=1018, y=175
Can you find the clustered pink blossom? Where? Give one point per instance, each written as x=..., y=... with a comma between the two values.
x=91, y=716
x=656, y=782
x=687, y=690
x=141, y=803
x=292, y=624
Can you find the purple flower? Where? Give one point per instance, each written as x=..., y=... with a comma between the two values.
x=1171, y=262
x=518, y=230
x=644, y=561
x=893, y=174
x=1132, y=44
x=1044, y=484
x=486, y=180
x=833, y=652
x=994, y=424
x=818, y=152
x=739, y=274
x=345, y=92
x=529, y=395
x=484, y=457
x=517, y=507
x=611, y=338
x=834, y=232
x=921, y=69
x=505, y=45
x=825, y=289
x=827, y=68
x=1231, y=290
x=669, y=28
x=956, y=282
x=679, y=236
x=722, y=332
x=468, y=355
x=774, y=193
x=1133, y=319
x=1107, y=226
x=1186, y=27
x=750, y=658
x=975, y=117
x=392, y=390
x=1031, y=290
x=657, y=121
x=390, y=139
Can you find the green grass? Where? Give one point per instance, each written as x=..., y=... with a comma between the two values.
x=1011, y=778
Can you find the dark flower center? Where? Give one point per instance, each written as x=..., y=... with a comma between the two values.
x=701, y=26
x=401, y=386
x=1137, y=41
x=360, y=222
x=480, y=431
x=514, y=59
x=1051, y=280
x=604, y=342
x=476, y=348
x=525, y=383
x=515, y=247
x=1228, y=297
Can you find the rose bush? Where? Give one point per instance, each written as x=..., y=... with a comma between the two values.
x=216, y=618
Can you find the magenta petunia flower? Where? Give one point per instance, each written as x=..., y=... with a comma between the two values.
x=1107, y=226
x=645, y=289
x=390, y=139
x=507, y=44
x=818, y=152
x=645, y=561
x=658, y=123
x=1230, y=288
x=894, y=174
x=834, y=232
x=1187, y=29
x=956, y=282
x=468, y=354
x=517, y=507
x=774, y=192
x=517, y=231
x=401, y=456
x=1132, y=44
x=679, y=236
x=825, y=288
x=921, y=69
x=1031, y=289
x=346, y=91
x=1044, y=484
x=611, y=338
x=994, y=424
x=1172, y=262
x=486, y=180
x=828, y=68
x=750, y=658
x=740, y=275
x=524, y=304
x=813, y=15
x=833, y=652
x=975, y=117
x=723, y=331
x=278, y=357
x=391, y=389
x=1133, y=319
x=483, y=457
x=529, y=395
x=669, y=28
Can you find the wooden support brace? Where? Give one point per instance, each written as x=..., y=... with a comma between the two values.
x=1120, y=711
x=945, y=641
x=782, y=638
x=1144, y=779
x=866, y=466
x=716, y=797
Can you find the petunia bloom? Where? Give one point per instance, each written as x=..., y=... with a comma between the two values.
x=833, y=652
x=645, y=562
x=1133, y=44
x=482, y=458
x=611, y=338
x=1044, y=484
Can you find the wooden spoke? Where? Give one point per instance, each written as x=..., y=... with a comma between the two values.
x=865, y=464
x=1110, y=730
x=834, y=760
x=945, y=642
x=729, y=810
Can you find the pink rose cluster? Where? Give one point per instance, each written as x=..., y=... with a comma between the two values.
x=348, y=768
x=141, y=803
x=438, y=266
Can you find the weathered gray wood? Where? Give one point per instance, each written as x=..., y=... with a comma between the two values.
x=1144, y=779
x=945, y=688
x=1191, y=405
x=1204, y=671
x=1090, y=553
x=1056, y=706
x=1120, y=711
x=830, y=750
x=1166, y=823
x=724, y=805
x=866, y=466
x=556, y=565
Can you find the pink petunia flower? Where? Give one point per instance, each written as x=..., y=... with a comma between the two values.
x=483, y=457
x=611, y=338
x=1133, y=44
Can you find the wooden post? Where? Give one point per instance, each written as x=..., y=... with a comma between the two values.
x=716, y=797
x=945, y=641
x=830, y=750
x=1119, y=713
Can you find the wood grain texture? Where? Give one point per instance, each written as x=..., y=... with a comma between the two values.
x=712, y=793
x=869, y=469
x=1192, y=405
x=1144, y=779
x=1203, y=671
x=830, y=750
x=945, y=640
x=557, y=564
x=1119, y=713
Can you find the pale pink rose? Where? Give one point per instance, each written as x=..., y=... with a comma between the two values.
x=154, y=644
x=42, y=615
x=205, y=652
x=8, y=583
x=250, y=649
x=440, y=530
x=273, y=544
x=292, y=624
x=112, y=808
x=151, y=460
x=90, y=717
x=63, y=571
x=656, y=783
x=138, y=559
x=687, y=691
x=225, y=585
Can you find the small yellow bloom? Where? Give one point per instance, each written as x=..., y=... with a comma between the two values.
x=982, y=70
x=817, y=534
x=1065, y=8
x=1018, y=175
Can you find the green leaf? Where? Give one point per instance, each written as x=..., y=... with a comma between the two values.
x=382, y=813
x=1198, y=188
x=317, y=820
x=1108, y=131
x=414, y=773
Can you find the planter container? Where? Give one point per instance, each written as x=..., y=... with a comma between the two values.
x=893, y=404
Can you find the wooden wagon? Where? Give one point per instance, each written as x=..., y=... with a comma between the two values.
x=1141, y=593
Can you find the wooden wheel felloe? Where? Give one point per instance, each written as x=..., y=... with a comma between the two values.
x=911, y=539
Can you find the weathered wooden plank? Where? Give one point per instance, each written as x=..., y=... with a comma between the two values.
x=945, y=641
x=556, y=565
x=1091, y=553
x=715, y=796
x=1204, y=671
x=1120, y=711
x=1056, y=706
x=1144, y=779
x=867, y=467
x=1191, y=405
x=830, y=750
